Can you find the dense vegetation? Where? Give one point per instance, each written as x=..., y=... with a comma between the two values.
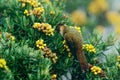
x=31, y=49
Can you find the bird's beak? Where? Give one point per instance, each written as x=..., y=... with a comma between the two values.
x=57, y=29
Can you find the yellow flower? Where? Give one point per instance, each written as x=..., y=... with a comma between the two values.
x=52, y=12
x=64, y=42
x=36, y=25
x=54, y=76
x=54, y=57
x=113, y=17
x=2, y=62
x=38, y=11
x=67, y=48
x=69, y=54
x=97, y=6
x=23, y=5
x=26, y=12
x=89, y=48
x=96, y=70
x=40, y=44
x=44, y=27
x=100, y=29
x=78, y=17
x=33, y=3
x=8, y=36
x=1, y=66
x=12, y=38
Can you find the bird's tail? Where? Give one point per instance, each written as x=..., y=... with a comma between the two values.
x=82, y=60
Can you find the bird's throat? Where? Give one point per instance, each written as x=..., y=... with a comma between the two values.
x=62, y=30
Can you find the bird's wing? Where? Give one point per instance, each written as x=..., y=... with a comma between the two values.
x=70, y=42
x=68, y=39
x=76, y=51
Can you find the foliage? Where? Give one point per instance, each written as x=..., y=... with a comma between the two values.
x=33, y=50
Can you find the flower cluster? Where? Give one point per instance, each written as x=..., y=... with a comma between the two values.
x=8, y=36
x=79, y=17
x=67, y=48
x=37, y=9
x=47, y=52
x=44, y=27
x=40, y=44
x=96, y=70
x=97, y=6
x=3, y=64
x=33, y=3
x=114, y=18
x=54, y=76
x=26, y=12
x=89, y=48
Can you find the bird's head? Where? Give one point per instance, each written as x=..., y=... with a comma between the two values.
x=60, y=28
